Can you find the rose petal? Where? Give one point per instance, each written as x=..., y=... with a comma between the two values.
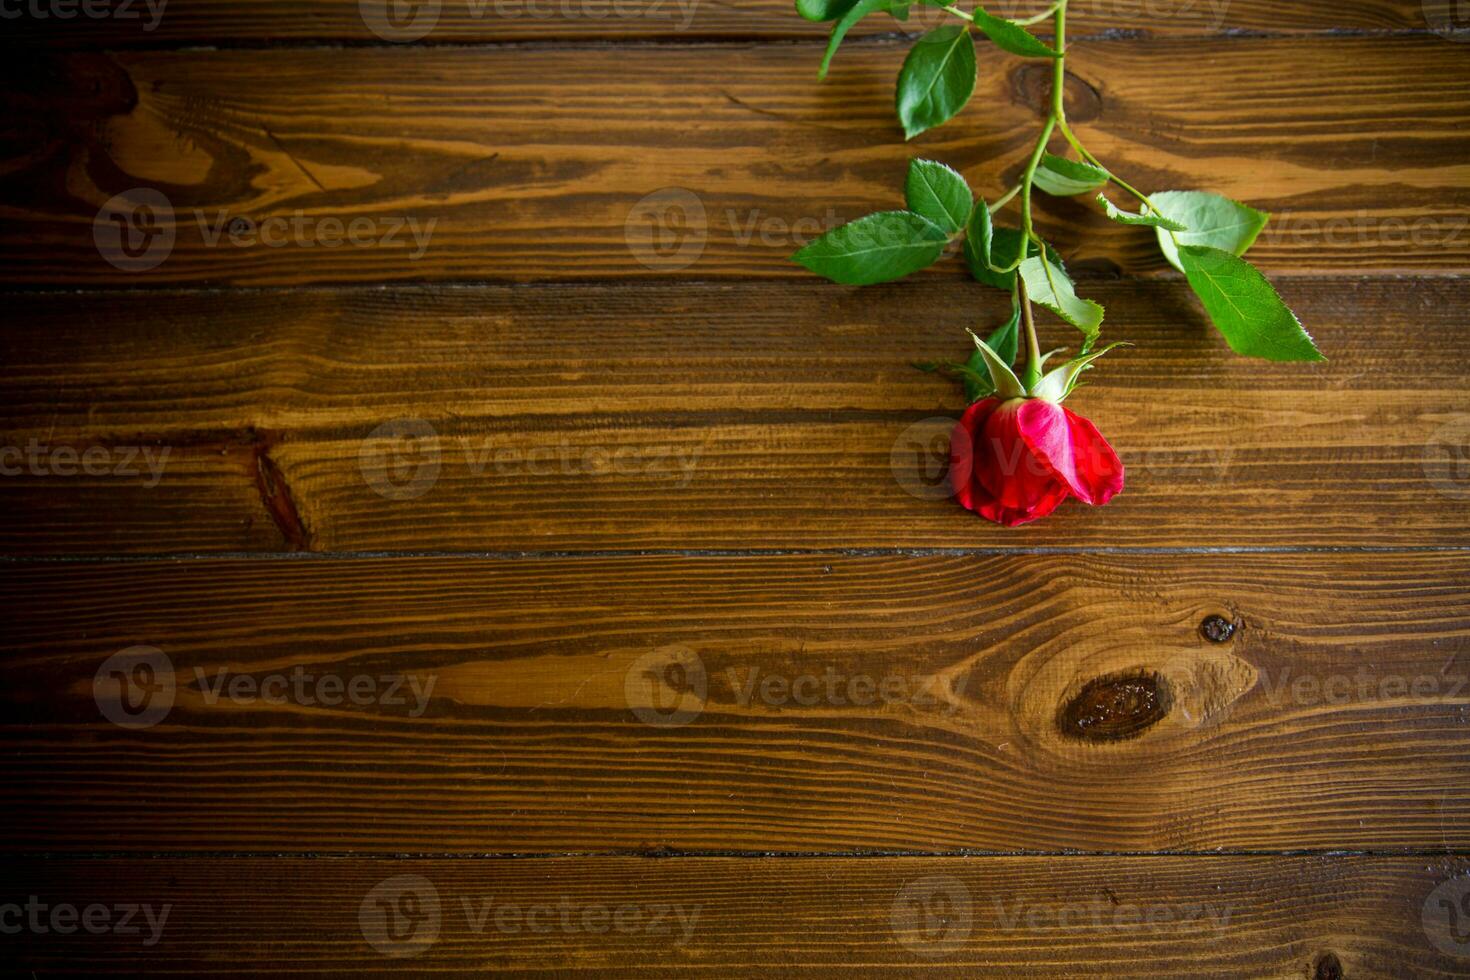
x=1073, y=448
x=1009, y=469
x=962, y=451
x=994, y=510
x=1098, y=467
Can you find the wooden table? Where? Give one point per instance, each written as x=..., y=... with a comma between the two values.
x=568, y=589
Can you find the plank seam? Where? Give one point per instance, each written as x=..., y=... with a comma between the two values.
x=1116, y=35
x=660, y=855
x=641, y=282
x=346, y=556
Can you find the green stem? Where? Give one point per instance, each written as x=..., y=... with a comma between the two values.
x=1057, y=118
x=1028, y=179
x=958, y=13
x=1005, y=199
x=1059, y=75
x=1041, y=16
x=1087, y=155
x=1031, y=373
x=1056, y=122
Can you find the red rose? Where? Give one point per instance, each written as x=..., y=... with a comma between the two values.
x=1014, y=461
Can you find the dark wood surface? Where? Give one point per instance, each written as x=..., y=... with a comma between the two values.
x=750, y=416
x=800, y=704
x=1081, y=916
x=628, y=570
x=1365, y=167
x=460, y=21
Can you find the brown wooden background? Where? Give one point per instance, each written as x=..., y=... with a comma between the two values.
x=598, y=468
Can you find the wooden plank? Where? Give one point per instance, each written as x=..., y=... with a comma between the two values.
x=733, y=417
x=446, y=160
x=774, y=703
x=1226, y=917
x=211, y=493
x=459, y=21
x=1212, y=917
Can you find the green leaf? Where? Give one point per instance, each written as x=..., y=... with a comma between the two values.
x=876, y=248
x=1245, y=307
x=820, y=10
x=1003, y=380
x=849, y=19
x=1006, y=339
x=1003, y=245
x=977, y=383
x=1049, y=285
x=1212, y=220
x=1012, y=37
x=1150, y=220
x=1061, y=177
x=978, y=234
x=939, y=194
x=936, y=80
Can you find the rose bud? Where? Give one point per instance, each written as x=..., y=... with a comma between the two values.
x=1015, y=456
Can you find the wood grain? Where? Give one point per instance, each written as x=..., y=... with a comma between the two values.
x=731, y=417
x=458, y=21
x=686, y=664
x=774, y=703
x=537, y=163
x=1221, y=917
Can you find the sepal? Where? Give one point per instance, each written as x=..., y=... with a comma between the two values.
x=1007, y=385
x=1060, y=382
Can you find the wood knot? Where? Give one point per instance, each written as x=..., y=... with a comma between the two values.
x=1329, y=967
x=1216, y=629
x=62, y=97
x=86, y=85
x=1030, y=85
x=1116, y=707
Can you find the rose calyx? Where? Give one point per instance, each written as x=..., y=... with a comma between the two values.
x=1053, y=386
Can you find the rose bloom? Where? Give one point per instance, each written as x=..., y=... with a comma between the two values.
x=1015, y=461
